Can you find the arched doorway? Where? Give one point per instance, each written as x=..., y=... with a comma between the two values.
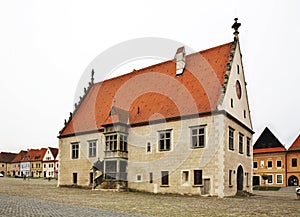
x=240, y=178
x=293, y=181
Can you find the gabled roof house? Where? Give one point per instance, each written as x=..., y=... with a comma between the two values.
x=167, y=128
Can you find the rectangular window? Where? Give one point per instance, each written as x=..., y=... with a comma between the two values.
x=75, y=150
x=198, y=137
x=148, y=147
x=248, y=146
x=294, y=162
x=279, y=179
x=255, y=165
x=270, y=164
x=164, y=177
x=151, y=177
x=279, y=163
x=241, y=143
x=231, y=138
x=262, y=164
x=230, y=178
x=270, y=179
x=92, y=148
x=111, y=142
x=185, y=178
x=123, y=143
x=197, y=177
x=165, y=140
x=74, y=178
x=247, y=179
x=138, y=178
x=110, y=170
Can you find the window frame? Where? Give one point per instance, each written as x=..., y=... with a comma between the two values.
x=92, y=148
x=294, y=162
x=269, y=164
x=241, y=143
x=198, y=181
x=277, y=161
x=248, y=148
x=255, y=162
x=185, y=177
x=231, y=138
x=75, y=150
x=270, y=181
x=200, y=136
x=163, y=140
x=164, y=178
x=277, y=175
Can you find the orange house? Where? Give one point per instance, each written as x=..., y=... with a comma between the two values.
x=269, y=158
x=293, y=167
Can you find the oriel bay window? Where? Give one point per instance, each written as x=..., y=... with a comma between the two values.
x=116, y=142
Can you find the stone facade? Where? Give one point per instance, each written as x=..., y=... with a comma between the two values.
x=197, y=139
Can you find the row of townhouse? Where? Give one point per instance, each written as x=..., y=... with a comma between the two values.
x=32, y=163
x=271, y=158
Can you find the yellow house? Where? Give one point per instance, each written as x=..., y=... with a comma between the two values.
x=181, y=126
x=5, y=162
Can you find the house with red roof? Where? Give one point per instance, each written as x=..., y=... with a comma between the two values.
x=15, y=164
x=180, y=126
x=31, y=163
x=5, y=162
x=269, y=158
x=50, y=163
x=293, y=167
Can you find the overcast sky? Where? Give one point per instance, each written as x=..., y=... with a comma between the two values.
x=45, y=46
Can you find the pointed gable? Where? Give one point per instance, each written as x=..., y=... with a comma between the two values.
x=296, y=145
x=155, y=92
x=267, y=142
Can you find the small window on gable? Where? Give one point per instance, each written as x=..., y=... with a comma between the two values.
x=238, y=69
x=245, y=115
x=231, y=103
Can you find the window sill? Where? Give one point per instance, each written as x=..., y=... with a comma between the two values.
x=230, y=186
x=164, y=186
x=197, y=185
x=197, y=147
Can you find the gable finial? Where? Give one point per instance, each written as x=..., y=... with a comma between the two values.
x=236, y=26
x=92, y=76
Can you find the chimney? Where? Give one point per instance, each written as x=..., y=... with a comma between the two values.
x=180, y=61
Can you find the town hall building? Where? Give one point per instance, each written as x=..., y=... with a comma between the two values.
x=181, y=126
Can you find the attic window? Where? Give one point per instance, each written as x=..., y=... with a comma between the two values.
x=238, y=69
x=231, y=103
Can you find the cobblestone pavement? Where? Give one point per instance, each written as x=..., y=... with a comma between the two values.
x=38, y=197
x=12, y=206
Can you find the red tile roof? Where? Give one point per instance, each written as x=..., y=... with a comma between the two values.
x=268, y=150
x=34, y=155
x=19, y=157
x=155, y=92
x=296, y=145
x=7, y=157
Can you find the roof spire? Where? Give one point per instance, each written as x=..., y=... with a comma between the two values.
x=236, y=26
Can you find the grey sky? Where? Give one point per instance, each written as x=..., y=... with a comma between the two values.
x=46, y=46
